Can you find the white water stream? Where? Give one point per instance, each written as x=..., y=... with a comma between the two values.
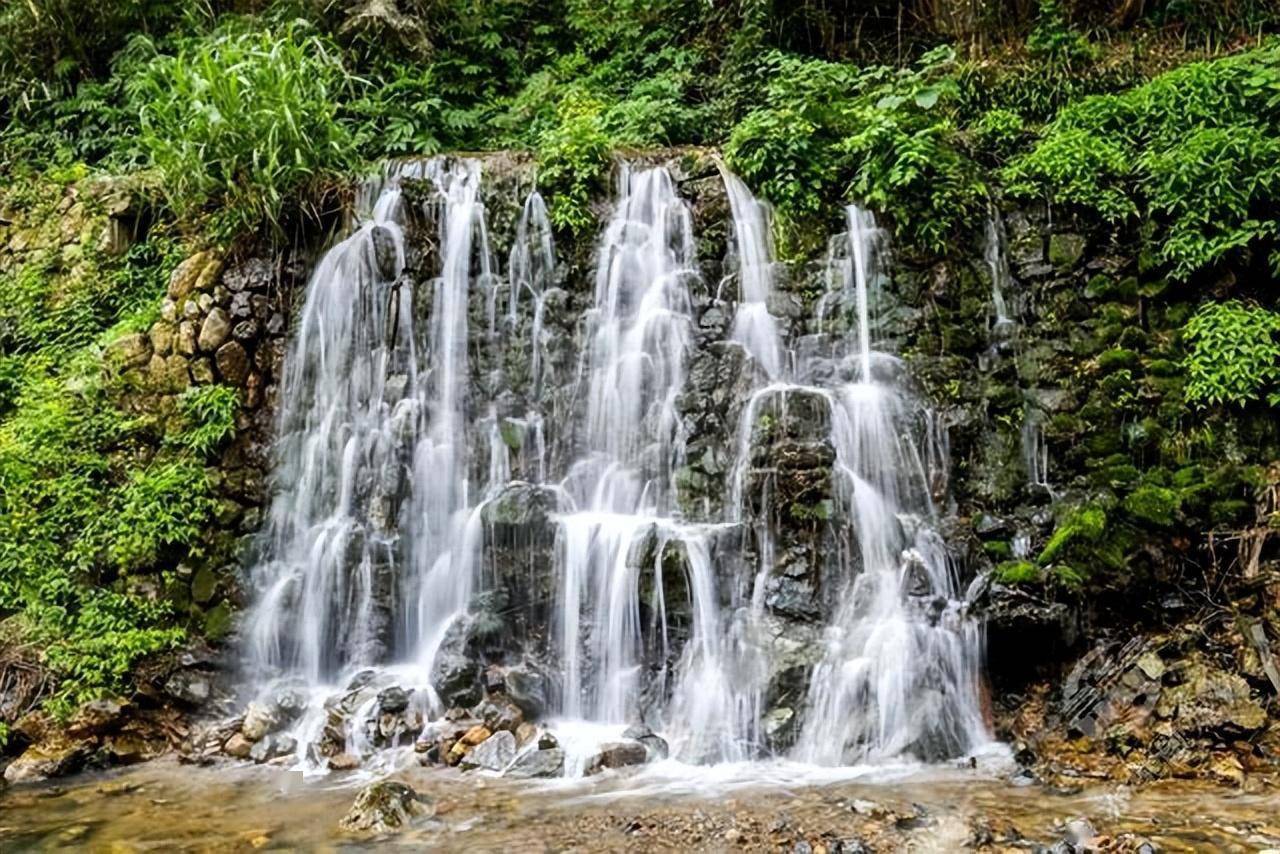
x=374, y=545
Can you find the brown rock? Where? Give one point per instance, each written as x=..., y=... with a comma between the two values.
x=202, y=371
x=184, y=277
x=475, y=735
x=525, y=733
x=616, y=754
x=233, y=362
x=344, y=762
x=238, y=746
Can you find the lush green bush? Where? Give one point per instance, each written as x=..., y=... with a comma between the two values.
x=209, y=413
x=573, y=158
x=1194, y=150
x=887, y=135
x=243, y=118
x=1233, y=356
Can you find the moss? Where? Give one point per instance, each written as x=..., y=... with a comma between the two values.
x=1018, y=572
x=1117, y=358
x=1081, y=524
x=997, y=549
x=1156, y=505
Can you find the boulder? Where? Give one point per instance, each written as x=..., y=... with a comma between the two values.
x=98, y=717
x=493, y=754
x=527, y=688
x=238, y=746
x=499, y=713
x=393, y=700
x=214, y=331
x=1211, y=701
x=384, y=807
x=344, y=762
x=233, y=362
x=53, y=757
x=272, y=746
x=616, y=754
x=536, y=764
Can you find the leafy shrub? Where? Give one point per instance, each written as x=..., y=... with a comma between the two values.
x=573, y=157
x=888, y=134
x=1194, y=150
x=1234, y=355
x=244, y=118
x=1054, y=38
x=209, y=413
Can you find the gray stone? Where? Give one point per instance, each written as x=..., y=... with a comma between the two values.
x=241, y=306
x=527, y=688
x=493, y=754
x=537, y=763
x=259, y=720
x=271, y=746
x=214, y=330
x=245, y=330
x=186, y=342
x=384, y=252
x=393, y=700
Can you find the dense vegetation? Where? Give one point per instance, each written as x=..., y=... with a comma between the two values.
x=235, y=117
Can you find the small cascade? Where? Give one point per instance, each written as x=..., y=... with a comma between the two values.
x=996, y=254
x=1035, y=450
x=616, y=663
x=752, y=260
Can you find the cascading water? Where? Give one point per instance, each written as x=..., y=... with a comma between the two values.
x=996, y=254
x=900, y=673
x=376, y=549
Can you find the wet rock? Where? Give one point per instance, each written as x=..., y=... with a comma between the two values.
x=616, y=754
x=499, y=713
x=384, y=252
x=456, y=680
x=548, y=741
x=493, y=754
x=53, y=757
x=344, y=762
x=537, y=764
x=214, y=331
x=271, y=746
x=384, y=807
x=526, y=686
x=525, y=733
x=393, y=700
x=655, y=745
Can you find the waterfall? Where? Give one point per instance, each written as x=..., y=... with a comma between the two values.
x=753, y=326
x=996, y=254
x=412, y=405
x=900, y=670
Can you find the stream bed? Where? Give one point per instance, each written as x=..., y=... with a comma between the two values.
x=165, y=806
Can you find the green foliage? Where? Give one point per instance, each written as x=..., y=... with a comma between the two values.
x=1194, y=150
x=209, y=414
x=88, y=509
x=244, y=118
x=888, y=134
x=573, y=158
x=1234, y=355
x=1054, y=38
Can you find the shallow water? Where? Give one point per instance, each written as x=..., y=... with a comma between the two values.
x=164, y=806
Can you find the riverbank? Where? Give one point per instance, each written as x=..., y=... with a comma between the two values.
x=166, y=806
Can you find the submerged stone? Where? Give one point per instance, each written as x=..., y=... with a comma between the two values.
x=384, y=807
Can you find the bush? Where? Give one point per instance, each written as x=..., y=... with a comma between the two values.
x=1194, y=150
x=573, y=158
x=209, y=415
x=887, y=135
x=243, y=118
x=1234, y=355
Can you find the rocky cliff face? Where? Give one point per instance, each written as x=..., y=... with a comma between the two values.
x=1066, y=401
